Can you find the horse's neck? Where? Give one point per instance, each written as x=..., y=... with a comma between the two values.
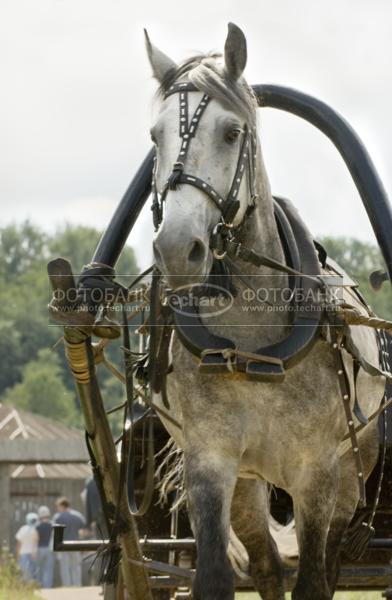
x=260, y=231
x=254, y=321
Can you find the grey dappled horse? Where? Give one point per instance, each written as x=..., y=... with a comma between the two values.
x=240, y=436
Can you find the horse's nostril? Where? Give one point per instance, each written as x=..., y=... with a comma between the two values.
x=196, y=253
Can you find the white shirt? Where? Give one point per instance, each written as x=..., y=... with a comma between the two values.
x=28, y=537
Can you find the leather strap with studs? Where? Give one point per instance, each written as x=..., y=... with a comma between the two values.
x=228, y=206
x=344, y=385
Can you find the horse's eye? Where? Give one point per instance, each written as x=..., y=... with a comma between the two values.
x=232, y=134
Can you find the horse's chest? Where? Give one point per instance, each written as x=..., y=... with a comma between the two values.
x=267, y=424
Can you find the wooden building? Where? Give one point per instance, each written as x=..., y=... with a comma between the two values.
x=40, y=460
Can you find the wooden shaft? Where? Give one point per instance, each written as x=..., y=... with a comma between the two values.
x=135, y=577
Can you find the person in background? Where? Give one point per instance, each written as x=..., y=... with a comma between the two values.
x=45, y=561
x=26, y=547
x=94, y=513
x=70, y=562
x=97, y=530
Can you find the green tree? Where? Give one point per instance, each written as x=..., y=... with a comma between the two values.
x=11, y=354
x=77, y=244
x=21, y=247
x=37, y=379
x=42, y=390
x=113, y=394
x=359, y=259
x=25, y=290
x=24, y=295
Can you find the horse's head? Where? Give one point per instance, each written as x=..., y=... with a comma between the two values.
x=205, y=145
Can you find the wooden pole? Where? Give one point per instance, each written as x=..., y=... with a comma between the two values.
x=79, y=352
x=5, y=516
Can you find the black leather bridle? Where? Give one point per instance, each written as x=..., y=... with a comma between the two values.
x=228, y=206
x=225, y=246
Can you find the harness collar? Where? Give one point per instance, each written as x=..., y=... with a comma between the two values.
x=267, y=363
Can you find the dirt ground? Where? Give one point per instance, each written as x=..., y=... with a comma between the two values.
x=94, y=593
x=85, y=593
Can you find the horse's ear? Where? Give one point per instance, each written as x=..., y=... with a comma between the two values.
x=235, y=52
x=160, y=63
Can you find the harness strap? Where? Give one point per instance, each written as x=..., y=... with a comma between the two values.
x=230, y=353
x=371, y=370
x=238, y=250
x=186, y=132
x=181, y=86
x=204, y=187
x=128, y=454
x=373, y=416
x=362, y=531
x=232, y=203
x=159, y=338
x=384, y=356
x=345, y=393
x=156, y=206
x=365, y=364
x=357, y=407
x=228, y=206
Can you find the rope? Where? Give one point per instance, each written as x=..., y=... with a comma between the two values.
x=352, y=316
x=76, y=354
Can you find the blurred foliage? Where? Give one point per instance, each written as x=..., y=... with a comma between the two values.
x=35, y=377
x=359, y=259
x=43, y=391
x=337, y=596
x=11, y=584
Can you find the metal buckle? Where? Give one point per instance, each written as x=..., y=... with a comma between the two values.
x=217, y=255
x=218, y=239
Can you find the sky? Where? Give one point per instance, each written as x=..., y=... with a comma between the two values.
x=76, y=100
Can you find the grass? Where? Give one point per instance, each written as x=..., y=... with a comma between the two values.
x=337, y=596
x=11, y=585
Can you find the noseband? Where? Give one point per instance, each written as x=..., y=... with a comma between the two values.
x=228, y=206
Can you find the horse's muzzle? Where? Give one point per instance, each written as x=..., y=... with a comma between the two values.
x=181, y=261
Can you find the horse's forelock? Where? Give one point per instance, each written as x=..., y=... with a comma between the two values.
x=206, y=72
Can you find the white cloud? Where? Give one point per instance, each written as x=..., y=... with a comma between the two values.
x=77, y=94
